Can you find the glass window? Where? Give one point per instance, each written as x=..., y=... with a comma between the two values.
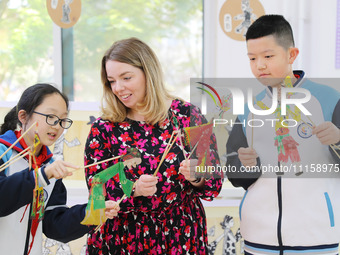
x=26, y=46
x=173, y=29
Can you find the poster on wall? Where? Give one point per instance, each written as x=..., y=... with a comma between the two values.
x=237, y=15
x=64, y=13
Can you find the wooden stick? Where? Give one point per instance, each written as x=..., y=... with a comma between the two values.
x=22, y=152
x=10, y=147
x=305, y=122
x=119, y=201
x=98, y=227
x=192, y=151
x=165, y=153
x=252, y=128
x=332, y=146
x=30, y=162
x=311, y=121
x=103, y=161
x=166, y=150
x=94, y=164
x=252, y=134
x=3, y=167
x=172, y=143
x=16, y=156
x=168, y=144
x=180, y=140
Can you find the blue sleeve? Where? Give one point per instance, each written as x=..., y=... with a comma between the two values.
x=60, y=222
x=15, y=191
x=236, y=140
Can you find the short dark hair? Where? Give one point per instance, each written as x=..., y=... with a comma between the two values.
x=275, y=25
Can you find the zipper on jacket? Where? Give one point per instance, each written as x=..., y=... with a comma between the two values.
x=279, y=222
x=28, y=231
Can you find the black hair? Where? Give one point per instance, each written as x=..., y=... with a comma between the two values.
x=30, y=99
x=275, y=25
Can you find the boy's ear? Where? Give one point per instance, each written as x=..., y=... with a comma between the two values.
x=22, y=116
x=293, y=53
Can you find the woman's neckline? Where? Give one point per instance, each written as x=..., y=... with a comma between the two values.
x=171, y=101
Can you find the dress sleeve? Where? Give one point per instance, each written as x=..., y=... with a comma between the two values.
x=213, y=182
x=99, y=146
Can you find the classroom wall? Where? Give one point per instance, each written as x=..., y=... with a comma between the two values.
x=314, y=27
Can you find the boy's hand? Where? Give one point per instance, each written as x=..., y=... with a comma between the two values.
x=187, y=168
x=146, y=185
x=112, y=209
x=247, y=156
x=58, y=169
x=327, y=133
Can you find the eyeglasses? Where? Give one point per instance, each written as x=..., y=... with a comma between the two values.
x=53, y=120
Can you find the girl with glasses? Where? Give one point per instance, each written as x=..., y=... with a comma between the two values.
x=20, y=234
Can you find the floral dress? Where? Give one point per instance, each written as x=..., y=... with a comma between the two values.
x=172, y=221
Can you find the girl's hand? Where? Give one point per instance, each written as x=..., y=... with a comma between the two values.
x=187, y=168
x=327, y=133
x=58, y=169
x=146, y=185
x=112, y=209
x=247, y=156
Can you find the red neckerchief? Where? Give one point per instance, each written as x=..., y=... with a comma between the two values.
x=297, y=76
x=41, y=158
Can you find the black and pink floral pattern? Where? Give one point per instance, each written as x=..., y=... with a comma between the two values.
x=172, y=221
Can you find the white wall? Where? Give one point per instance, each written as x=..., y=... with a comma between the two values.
x=314, y=27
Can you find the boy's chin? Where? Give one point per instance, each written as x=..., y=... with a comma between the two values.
x=271, y=82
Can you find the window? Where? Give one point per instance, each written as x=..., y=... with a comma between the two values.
x=26, y=46
x=173, y=29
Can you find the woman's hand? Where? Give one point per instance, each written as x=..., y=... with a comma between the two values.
x=58, y=169
x=187, y=168
x=111, y=209
x=146, y=185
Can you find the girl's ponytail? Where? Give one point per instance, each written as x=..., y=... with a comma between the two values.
x=10, y=121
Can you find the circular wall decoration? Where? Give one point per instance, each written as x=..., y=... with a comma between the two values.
x=64, y=13
x=237, y=15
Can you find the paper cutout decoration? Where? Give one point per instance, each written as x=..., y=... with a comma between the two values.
x=95, y=209
x=286, y=146
x=94, y=214
x=38, y=203
x=64, y=13
x=36, y=142
x=199, y=137
x=236, y=16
